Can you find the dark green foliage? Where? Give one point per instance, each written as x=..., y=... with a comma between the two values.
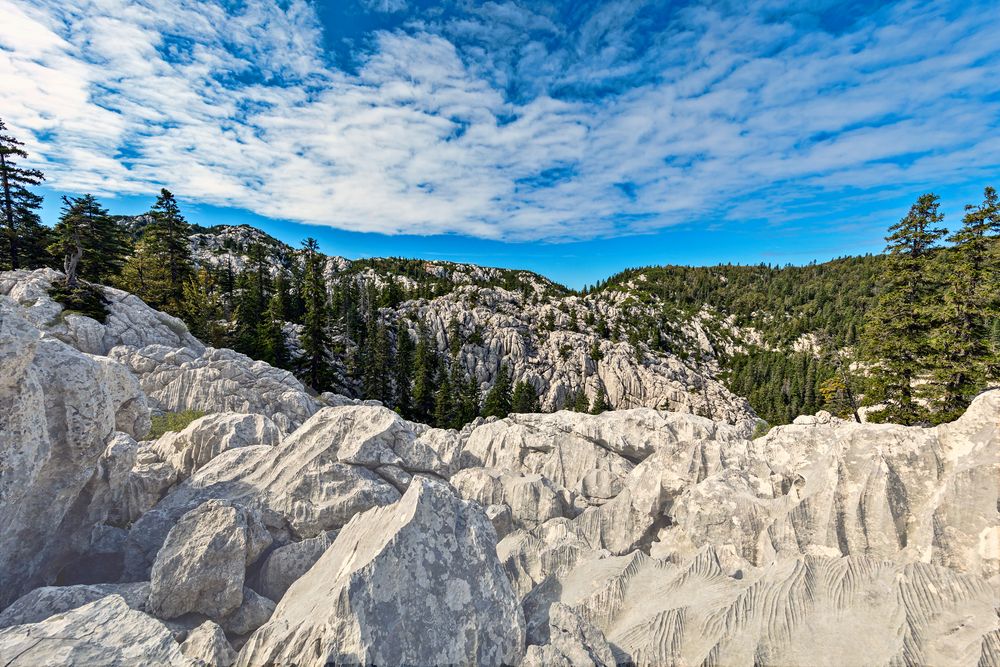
x=580, y=402
x=377, y=359
x=781, y=302
x=600, y=403
x=963, y=359
x=26, y=238
x=403, y=372
x=499, y=398
x=160, y=265
x=445, y=408
x=469, y=408
x=82, y=299
x=426, y=366
x=315, y=338
x=168, y=232
x=525, y=398
x=171, y=421
x=896, y=337
x=779, y=385
x=88, y=242
x=202, y=309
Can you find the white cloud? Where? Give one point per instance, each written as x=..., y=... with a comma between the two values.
x=472, y=125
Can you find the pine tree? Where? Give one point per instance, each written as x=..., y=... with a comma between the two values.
x=444, y=404
x=896, y=334
x=377, y=359
x=961, y=340
x=26, y=236
x=470, y=407
x=525, y=398
x=274, y=349
x=580, y=401
x=600, y=403
x=403, y=372
x=145, y=275
x=315, y=338
x=425, y=371
x=89, y=242
x=498, y=399
x=168, y=237
x=201, y=309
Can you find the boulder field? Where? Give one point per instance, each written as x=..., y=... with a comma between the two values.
x=287, y=528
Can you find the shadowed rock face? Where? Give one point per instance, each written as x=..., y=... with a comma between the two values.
x=307, y=530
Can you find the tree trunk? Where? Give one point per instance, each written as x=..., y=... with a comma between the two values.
x=71, y=261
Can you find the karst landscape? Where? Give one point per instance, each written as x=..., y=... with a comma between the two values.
x=525, y=334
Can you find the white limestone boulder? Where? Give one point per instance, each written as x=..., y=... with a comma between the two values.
x=414, y=583
x=105, y=632
x=199, y=442
x=202, y=564
x=60, y=408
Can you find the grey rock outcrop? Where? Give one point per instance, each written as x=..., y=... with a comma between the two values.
x=104, y=632
x=205, y=438
x=300, y=486
x=129, y=322
x=217, y=380
x=60, y=407
x=47, y=601
x=309, y=533
x=415, y=583
x=208, y=643
x=796, y=611
x=286, y=564
x=572, y=641
x=202, y=564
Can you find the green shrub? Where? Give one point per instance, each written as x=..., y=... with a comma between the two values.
x=172, y=421
x=760, y=430
x=84, y=299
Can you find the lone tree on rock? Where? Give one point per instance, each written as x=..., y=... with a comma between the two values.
x=89, y=242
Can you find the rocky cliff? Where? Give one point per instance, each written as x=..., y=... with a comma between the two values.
x=288, y=528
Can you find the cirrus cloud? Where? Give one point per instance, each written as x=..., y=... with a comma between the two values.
x=503, y=120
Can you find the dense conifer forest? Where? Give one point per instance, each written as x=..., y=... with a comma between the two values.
x=912, y=334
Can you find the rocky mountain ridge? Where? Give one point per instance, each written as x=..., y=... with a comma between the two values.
x=559, y=342
x=286, y=527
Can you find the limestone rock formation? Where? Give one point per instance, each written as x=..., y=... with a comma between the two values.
x=415, y=583
x=286, y=564
x=104, y=632
x=300, y=486
x=129, y=322
x=572, y=641
x=202, y=564
x=312, y=529
x=566, y=359
x=205, y=438
x=47, y=601
x=797, y=611
x=217, y=380
x=60, y=407
x=208, y=643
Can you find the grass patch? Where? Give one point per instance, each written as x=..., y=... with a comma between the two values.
x=171, y=421
x=84, y=299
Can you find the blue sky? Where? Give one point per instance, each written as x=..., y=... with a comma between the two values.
x=572, y=138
